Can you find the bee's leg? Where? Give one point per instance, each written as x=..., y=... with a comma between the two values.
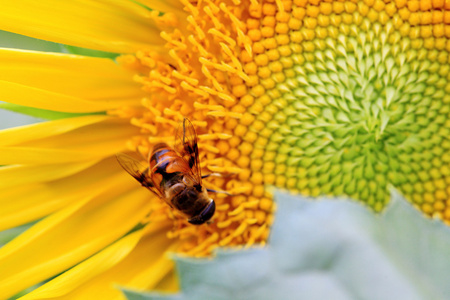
x=219, y=192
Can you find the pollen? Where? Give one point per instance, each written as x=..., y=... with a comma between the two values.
x=316, y=97
x=206, y=77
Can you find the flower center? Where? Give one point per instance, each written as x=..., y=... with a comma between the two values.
x=338, y=98
x=350, y=99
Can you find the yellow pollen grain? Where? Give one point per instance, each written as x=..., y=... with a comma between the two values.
x=211, y=239
x=188, y=87
x=200, y=33
x=217, y=24
x=224, y=224
x=200, y=106
x=170, y=112
x=240, y=229
x=230, y=54
x=215, y=136
x=176, y=44
x=209, y=148
x=222, y=36
x=190, y=80
x=183, y=67
x=252, y=204
x=228, y=98
x=217, y=86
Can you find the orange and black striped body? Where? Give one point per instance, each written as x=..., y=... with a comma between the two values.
x=172, y=175
x=166, y=166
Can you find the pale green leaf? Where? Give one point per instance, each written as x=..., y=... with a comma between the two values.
x=17, y=41
x=9, y=234
x=88, y=52
x=328, y=249
x=41, y=113
x=139, y=295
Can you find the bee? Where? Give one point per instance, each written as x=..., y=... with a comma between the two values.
x=174, y=175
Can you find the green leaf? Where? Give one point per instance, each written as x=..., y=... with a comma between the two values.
x=41, y=113
x=328, y=249
x=88, y=52
x=17, y=41
x=9, y=234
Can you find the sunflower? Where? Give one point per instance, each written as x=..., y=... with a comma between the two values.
x=318, y=97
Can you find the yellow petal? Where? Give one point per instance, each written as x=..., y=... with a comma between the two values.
x=22, y=155
x=98, y=137
x=102, y=274
x=88, y=78
x=17, y=135
x=70, y=236
x=36, y=200
x=169, y=283
x=33, y=97
x=89, y=138
x=88, y=269
x=163, y=5
x=21, y=175
x=111, y=25
x=92, y=142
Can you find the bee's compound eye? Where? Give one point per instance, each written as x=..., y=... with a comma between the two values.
x=208, y=212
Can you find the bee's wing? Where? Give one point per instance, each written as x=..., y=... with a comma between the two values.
x=186, y=146
x=138, y=171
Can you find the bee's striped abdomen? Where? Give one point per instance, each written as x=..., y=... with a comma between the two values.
x=166, y=165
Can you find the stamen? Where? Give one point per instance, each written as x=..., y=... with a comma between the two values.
x=215, y=136
x=198, y=30
x=179, y=45
x=224, y=114
x=199, y=105
x=188, y=87
x=203, y=76
x=191, y=81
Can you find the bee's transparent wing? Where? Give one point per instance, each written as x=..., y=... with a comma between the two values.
x=136, y=169
x=186, y=145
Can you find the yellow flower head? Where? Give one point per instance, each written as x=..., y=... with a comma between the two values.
x=318, y=97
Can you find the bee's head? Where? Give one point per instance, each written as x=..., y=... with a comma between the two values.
x=205, y=215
